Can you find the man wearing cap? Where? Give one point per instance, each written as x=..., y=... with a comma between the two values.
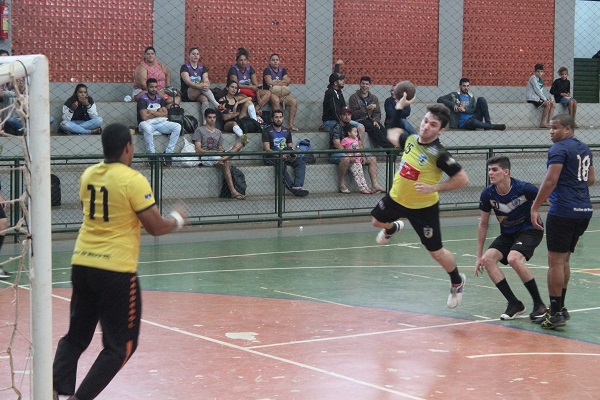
x=336, y=134
x=334, y=101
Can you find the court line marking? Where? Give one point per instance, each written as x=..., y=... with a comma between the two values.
x=281, y=359
x=313, y=298
x=276, y=358
x=533, y=354
x=406, y=245
x=276, y=269
x=357, y=335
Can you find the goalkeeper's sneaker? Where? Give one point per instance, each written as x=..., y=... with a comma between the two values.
x=553, y=321
x=383, y=238
x=512, y=310
x=456, y=292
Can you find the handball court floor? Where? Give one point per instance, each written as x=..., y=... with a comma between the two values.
x=320, y=312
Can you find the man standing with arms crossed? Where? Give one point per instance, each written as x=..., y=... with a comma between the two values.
x=566, y=185
x=511, y=201
x=117, y=200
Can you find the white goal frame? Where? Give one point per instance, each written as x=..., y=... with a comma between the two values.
x=35, y=68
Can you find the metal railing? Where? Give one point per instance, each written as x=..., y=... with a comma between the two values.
x=267, y=199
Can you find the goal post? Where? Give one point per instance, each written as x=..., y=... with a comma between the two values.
x=36, y=153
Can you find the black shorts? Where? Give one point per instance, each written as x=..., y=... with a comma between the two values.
x=2, y=213
x=524, y=242
x=562, y=234
x=425, y=221
x=538, y=103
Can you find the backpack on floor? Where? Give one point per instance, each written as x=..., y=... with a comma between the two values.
x=304, y=145
x=55, y=192
x=239, y=183
x=249, y=125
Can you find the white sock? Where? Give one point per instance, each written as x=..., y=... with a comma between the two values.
x=211, y=97
x=238, y=131
x=252, y=112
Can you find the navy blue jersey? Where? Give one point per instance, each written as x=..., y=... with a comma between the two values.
x=513, y=208
x=571, y=197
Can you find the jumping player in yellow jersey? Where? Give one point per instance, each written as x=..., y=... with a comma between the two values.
x=117, y=200
x=414, y=193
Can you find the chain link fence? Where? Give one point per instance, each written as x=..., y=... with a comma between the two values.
x=431, y=43
x=266, y=197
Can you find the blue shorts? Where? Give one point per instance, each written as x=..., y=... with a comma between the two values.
x=565, y=100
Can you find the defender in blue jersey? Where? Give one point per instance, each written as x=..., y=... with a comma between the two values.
x=511, y=200
x=569, y=175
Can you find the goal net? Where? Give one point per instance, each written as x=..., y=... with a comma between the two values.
x=26, y=286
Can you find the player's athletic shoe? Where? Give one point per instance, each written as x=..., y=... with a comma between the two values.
x=456, y=292
x=539, y=310
x=512, y=310
x=553, y=321
x=565, y=313
x=4, y=274
x=383, y=238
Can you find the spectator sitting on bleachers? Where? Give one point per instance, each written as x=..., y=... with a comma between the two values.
x=367, y=111
x=336, y=134
x=13, y=124
x=277, y=138
x=467, y=111
x=232, y=109
x=195, y=85
x=243, y=73
x=535, y=95
x=151, y=68
x=80, y=115
x=334, y=101
x=390, y=111
x=561, y=89
x=208, y=139
x=152, y=120
x=276, y=79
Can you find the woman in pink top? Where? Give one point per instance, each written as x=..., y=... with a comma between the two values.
x=150, y=68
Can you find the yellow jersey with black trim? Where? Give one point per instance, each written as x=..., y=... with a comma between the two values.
x=111, y=195
x=420, y=163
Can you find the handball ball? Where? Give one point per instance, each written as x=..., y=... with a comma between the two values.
x=405, y=86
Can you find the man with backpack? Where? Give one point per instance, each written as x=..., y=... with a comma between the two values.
x=275, y=139
x=208, y=139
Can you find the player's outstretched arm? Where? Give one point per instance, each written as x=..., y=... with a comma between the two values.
x=157, y=225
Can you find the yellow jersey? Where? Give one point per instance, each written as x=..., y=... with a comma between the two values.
x=420, y=163
x=111, y=195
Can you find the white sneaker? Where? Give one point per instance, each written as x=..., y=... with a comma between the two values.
x=456, y=293
x=383, y=239
x=4, y=274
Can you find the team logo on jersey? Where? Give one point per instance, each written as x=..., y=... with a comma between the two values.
x=433, y=150
x=153, y=106
x=423, y=159
x=516, y=202
x=148, y=196
x=428, y=232
x=409, y=172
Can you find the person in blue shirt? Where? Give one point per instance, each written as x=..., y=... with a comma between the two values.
x=277, y=138
x=467, y=111
x=570, y=172
x=511, y=200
